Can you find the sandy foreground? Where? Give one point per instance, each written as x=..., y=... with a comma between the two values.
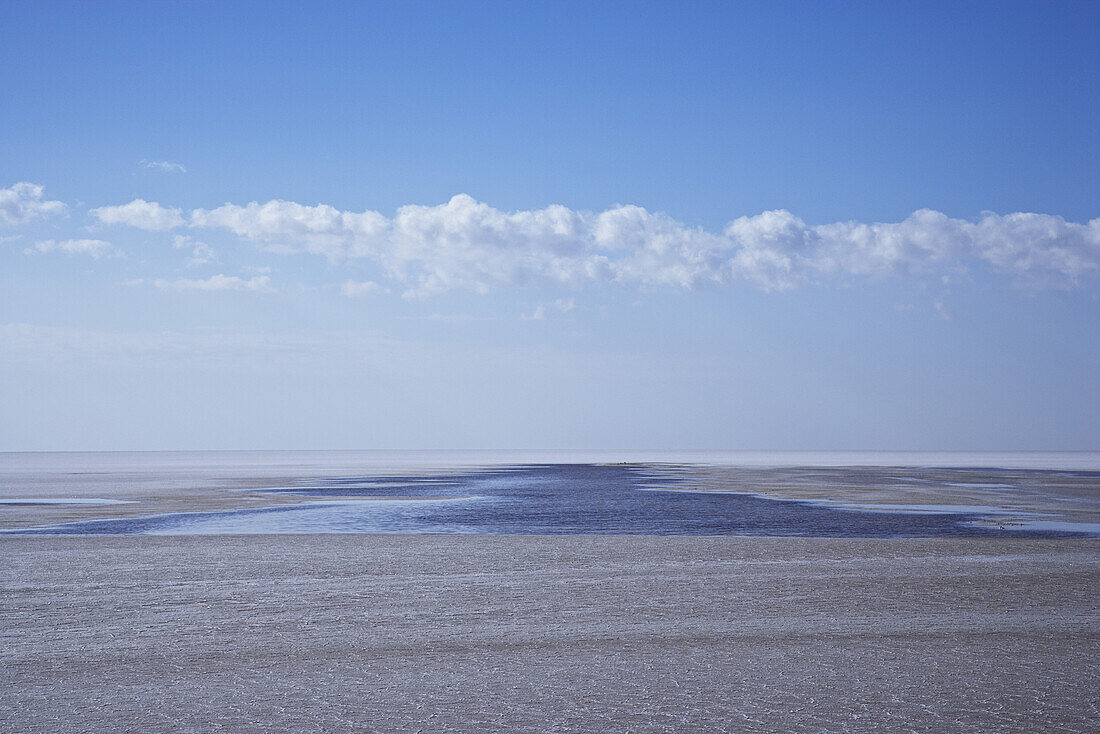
x=574, y=633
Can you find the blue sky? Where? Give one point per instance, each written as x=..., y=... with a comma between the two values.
x=524, y=225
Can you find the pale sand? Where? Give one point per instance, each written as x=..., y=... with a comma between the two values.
x=577, y=633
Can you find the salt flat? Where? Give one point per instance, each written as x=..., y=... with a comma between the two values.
x=581, y=633
x=1017, y=489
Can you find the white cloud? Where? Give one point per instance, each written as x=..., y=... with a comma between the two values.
x=24, y=202
x=321, y=229
x=466, y=244
x=256, y=284
x=1022, y=244
x=168, y=166
x=201, y=253
x=353, y=289
x=95, y=248
x=147, y=215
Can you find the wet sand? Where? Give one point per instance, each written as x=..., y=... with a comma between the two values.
x=198, y=484
x=579, y=633
x=169, y=482
x=1061, y=496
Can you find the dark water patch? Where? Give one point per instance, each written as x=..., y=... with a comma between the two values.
x=549, y=500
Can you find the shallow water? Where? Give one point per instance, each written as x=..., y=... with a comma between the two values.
x=556, y=499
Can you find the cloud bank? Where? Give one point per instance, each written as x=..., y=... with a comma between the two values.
x=466, y=244
x=25, y=202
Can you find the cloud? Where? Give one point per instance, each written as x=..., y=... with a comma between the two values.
x=95, y=248
x=320, y=230
x=147, y=215
x=201, y=253
x=24, y=202
x=561, y=305
x=353, y=289
x=779, y=250
x=469, y=245
x=168, y=166
x=255, y=284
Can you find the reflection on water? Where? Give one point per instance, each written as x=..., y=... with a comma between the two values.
x=549, y=499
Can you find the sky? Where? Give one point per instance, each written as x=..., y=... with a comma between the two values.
x=713, y=226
